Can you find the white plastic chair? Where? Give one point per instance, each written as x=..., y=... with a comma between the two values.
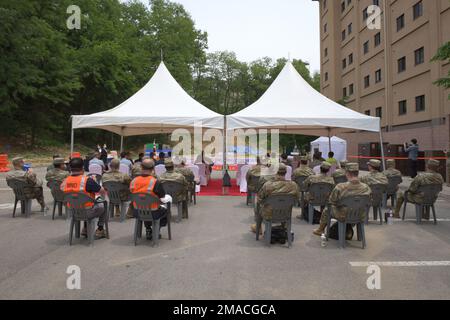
x=202, y=174
x=195, y=171
x=288, y=176
x=160, y=169
x=95, y=168
x=243, y=180
x=124, y=168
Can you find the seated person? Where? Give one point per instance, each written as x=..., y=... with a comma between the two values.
x=162, y=156
x=186, y=172
x=341, y=172
x=147, y=183
x=391, y=171
x=317, y=160
x=431, y=176
x=125, y=159
x=172, y=175
x=139, y=159
x=96, y=160
x=374, y=176
x=278, y=185
x=331, y=160
x=33, y=189
x=303, y=170
x=51, y=167
x=58, y=173
x=351, y=188
x=284, y=159
x=78, y=182
x=255, y=171
x=320, y=178
x=116, y=176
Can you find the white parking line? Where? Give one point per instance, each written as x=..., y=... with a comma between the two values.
x=401, y=263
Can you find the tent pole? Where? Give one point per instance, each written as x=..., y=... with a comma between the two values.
x=329, y=140
x=224, y=155
x=72, y=137
x=382, y=150
x=121, y=143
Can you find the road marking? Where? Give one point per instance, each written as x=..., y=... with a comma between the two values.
x=5, y=206
x=401, y=263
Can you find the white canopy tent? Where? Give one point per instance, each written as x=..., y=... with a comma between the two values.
x=338, y=146
x=293, y=106
x=159, y=107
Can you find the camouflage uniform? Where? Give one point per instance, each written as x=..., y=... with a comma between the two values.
x=117, y=176
x=56, y=174
x=341, y=191
x=391, y=171
x=374, y=178
x=425, y=178
x=277, y=185
x=189, y=176
x=175, y=177
x=253, y=172
x=34, y=185
x=321, y=178
x=302, y=171
x=341, y=171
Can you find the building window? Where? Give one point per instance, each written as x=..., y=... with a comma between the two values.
x=400, y=22
x=344, y=64
x=325, y=27
x=377, y=39
x=366, y=47
x=401, y=64
x=365, y=14
x=326, y=52
x=402, y=107
x=366, y=81
x=326, y=76
x=343, y=35
x=351, y=89
x=419, y=56
x=378, y=76
x=343, y=6
x=324, y=4
x=367, y=112
x=344, y=92
x=350, y=58
x=420, y=103
x=379, y=112
x=418, y=10
x=350, y=28
x=376, y=2
x=349, y=2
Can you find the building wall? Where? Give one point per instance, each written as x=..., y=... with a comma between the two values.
x=431, y=126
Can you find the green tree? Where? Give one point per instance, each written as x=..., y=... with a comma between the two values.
x=443, y=55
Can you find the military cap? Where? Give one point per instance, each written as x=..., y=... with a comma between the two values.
x=58, y=161
x=374, y=163
x=16, y=160
x=390, y=161
x=325, y=165
x=282, y=169
x=433, y=163
x=168, y=163
x=352, y=166
x=343, y=163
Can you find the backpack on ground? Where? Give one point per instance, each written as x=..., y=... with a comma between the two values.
x=334, y=232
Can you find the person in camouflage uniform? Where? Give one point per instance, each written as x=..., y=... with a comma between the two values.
x=136, y=169
x=34, y=185
x=431, y=176
x=320, y=178
x=58, y=173
x=390, y=170
x=255, y=171
x=341, y=172
x=303, y=170
x=277, y=185
x=52, y=166
x=374, y=176
x=187, y=173
x=317, y=160
x=171, y=175
x=351, y=188
x=116, y=176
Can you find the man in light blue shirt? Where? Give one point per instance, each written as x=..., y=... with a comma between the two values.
x=413, y=154
x=124, y=159
x=96, y=160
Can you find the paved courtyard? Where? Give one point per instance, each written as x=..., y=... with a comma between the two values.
x=213, y=255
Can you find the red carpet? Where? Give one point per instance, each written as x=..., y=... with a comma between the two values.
x=214, y=188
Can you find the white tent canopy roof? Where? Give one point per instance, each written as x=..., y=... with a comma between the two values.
x=334, y=139
x=293, y=106
x=160, y=106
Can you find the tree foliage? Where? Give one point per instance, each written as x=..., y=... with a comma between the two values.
x=443, y=55
x=48, y=72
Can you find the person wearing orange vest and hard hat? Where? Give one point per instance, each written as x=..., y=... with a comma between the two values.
x=78, y=182
x=147, y=183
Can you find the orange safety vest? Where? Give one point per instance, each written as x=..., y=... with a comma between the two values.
x=77, y=184
x=145, y=185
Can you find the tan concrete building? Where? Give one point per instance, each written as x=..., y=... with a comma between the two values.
x=395, y=84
